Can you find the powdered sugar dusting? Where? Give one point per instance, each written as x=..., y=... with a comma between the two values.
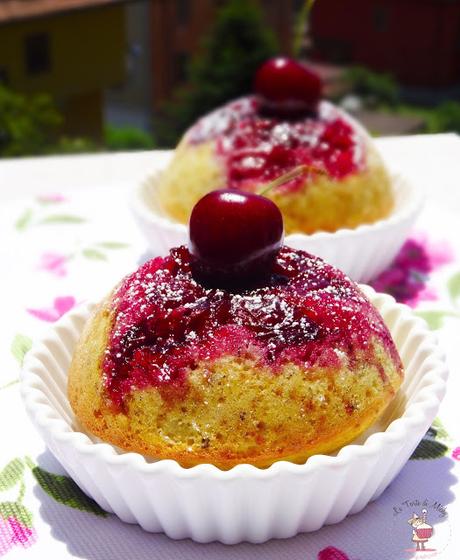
x=258, y=148
x=165, y=323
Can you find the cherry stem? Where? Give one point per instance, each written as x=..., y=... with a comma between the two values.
x=292, y=174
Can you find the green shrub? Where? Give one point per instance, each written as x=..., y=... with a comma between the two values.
x=375, y=88
x=237, y=44
x=447, y=117
x=127, y=138
x=78, y=145
x=28, y=124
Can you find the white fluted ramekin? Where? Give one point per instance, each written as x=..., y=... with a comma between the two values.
x=245, y=503
x=362, y=253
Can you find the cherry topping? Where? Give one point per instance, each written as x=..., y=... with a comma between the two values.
x=287, y=87
x=234, y=239
x=165, y=323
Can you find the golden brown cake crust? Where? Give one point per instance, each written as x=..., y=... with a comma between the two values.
x=233, y=411
x=322, y=205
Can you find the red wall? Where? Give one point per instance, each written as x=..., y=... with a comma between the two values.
x=419, y=43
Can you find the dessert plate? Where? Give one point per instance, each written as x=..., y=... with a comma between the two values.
x=362, y=253
x=244, y=503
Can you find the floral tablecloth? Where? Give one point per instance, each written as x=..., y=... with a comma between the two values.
x=67, y=235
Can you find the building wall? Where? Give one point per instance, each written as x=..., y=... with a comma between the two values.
x=86, y=55
x=136, y=88
x=178, y=27
x=417, y=40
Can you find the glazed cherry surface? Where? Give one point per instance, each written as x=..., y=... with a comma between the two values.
x=234, y=239
x=256, y=148
x=165, y=323
x=287, y=86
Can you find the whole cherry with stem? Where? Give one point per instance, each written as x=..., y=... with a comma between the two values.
x=235, y=236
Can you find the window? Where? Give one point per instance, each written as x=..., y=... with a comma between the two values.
x=37, y=54
x=380, y=17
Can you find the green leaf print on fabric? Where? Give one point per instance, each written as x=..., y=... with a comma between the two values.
x=435, y=319
x=16, y=510
x=94, y=254
x=11, y=474
x=9, y=384
x=62, y=219
x=24, y=220
x=112, y=245
x=431, y=447
x=20, y=346
x=438, y=430
x=64, y=490
x=16, y=528
x=454, y=287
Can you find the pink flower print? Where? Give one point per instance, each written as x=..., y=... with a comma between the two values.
x=51, y=314
x=6, y=536
x=54, y=263
x=332, y=553
x=14, y=533
x=424, y=255
x=406, y=279
x=456, y=454
x=22, y=535
x=51, y=198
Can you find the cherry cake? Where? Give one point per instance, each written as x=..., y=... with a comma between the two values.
x=235, y=349
x=283, y=124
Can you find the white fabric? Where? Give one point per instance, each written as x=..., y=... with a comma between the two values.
x=96, y=189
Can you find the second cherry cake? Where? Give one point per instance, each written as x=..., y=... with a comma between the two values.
x=285, y=123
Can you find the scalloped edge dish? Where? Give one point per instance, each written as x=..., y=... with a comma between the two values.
x=244, y=503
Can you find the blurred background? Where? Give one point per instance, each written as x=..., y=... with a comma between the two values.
x=98, y=75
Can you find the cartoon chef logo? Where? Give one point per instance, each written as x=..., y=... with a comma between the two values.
x=422, y=527
x=421, y=531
